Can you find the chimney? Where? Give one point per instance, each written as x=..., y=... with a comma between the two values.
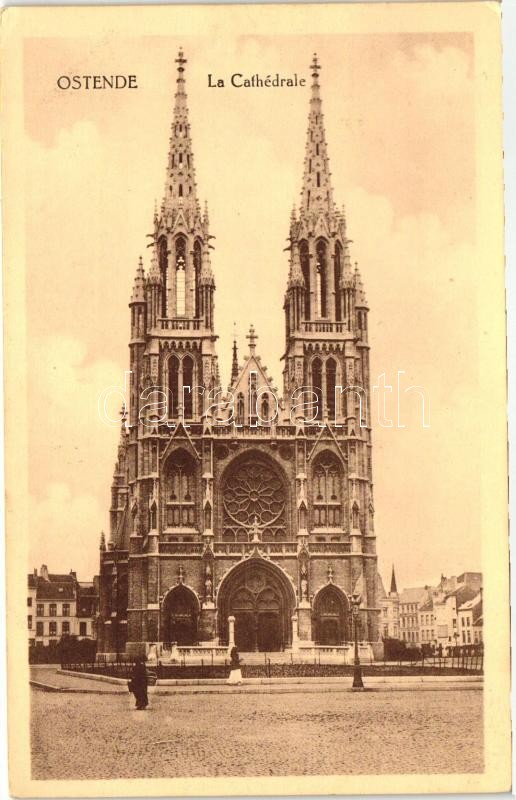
x=44, y=572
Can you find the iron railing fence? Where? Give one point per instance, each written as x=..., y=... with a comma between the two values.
x=292, y=666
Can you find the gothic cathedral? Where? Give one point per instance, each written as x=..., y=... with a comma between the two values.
x=242, y=516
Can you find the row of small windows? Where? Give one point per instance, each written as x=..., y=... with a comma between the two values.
x=180, y=159
x=50, y=609
x=180, y=192
x=54, y=629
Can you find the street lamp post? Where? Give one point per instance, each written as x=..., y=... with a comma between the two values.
x=358, y=684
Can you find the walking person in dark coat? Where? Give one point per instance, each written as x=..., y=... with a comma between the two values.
x=138, y=685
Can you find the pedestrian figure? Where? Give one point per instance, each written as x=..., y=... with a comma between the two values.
x=138, y=685
x=235, y=676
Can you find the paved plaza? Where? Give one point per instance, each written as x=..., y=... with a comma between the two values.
x=101, y=736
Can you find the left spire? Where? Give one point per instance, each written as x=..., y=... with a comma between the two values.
x=180, y=186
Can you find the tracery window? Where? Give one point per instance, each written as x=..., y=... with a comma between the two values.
x=317, y=387
x=254, y=495
x=180, y=492
x=264, y=413
x=322, y=279
x=197, y=260
x=331, y=376
x=240, y=409
x=338, y=274
x=304, y=258
x=181, y=386
x=188, y=386
x=327, y=498
x=173, y=386
x=180, y=276
x=163, y=266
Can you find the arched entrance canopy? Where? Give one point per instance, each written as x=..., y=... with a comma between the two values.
x=331, y=616
x=180, y=615
x=261, y=598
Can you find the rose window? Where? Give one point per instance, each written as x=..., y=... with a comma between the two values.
x=254, y=494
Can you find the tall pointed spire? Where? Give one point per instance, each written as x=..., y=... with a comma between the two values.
x=361, y=300
x=180, y=186
x=234, y=363
x=138, y=295
x=316, y=194
x=394, y=588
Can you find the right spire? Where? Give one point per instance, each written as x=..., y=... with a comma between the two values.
x=316, y=194
x=394, y=588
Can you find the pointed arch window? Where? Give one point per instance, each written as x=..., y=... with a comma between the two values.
x=197, y=258
x=327, y=500
x=264, y=413
x=338, y=275
x=180, y=492
x=331, y=377
x=304, y=258
x=180, y=276
x=253, y=399
x=322, y=278
x=317, y=387
x=173, y=386
x=240, y=409
x=163, y=267
x=180, y=190
x=188, y=386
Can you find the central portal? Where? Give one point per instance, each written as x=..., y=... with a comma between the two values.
x=261, y=599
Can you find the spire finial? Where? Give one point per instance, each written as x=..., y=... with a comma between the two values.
x=234, y=363
x=180, y=61
x=315, y=67
x=252, y=337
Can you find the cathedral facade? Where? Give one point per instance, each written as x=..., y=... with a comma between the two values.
x=243, y=515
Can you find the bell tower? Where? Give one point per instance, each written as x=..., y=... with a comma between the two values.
x=325, y=305
x=173, y=307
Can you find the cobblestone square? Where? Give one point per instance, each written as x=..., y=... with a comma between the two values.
x=79, y=736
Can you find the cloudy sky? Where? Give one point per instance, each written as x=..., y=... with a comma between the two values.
x=399, y=112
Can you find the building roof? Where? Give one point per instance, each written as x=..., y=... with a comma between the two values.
x=55, y=590
x=474, y=604
x=53, y=585
x=428, y=604
x=415, y=595
x=380, y=589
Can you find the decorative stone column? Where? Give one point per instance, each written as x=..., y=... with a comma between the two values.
x=295, y=636
x=231, y=637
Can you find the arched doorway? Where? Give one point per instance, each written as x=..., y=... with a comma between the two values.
x=262, y=600
x=331, y=617
x=180, y=615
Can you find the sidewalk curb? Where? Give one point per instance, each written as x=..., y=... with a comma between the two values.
x=266, y=689
x=409, y=680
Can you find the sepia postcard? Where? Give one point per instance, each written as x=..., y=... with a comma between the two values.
x=255, y=397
